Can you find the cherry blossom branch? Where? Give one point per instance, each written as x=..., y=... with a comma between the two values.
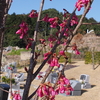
x=74, y=32
x=53, y=49
x=82, y=17
x=33, y=61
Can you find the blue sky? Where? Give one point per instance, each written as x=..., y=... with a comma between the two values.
x=25, y=6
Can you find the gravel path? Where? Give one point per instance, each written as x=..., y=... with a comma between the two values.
x=74, y=71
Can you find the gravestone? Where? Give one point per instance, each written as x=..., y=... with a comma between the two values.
x=84, y=80
x=76, y=85
x=61, y=69
x=8, y=71
x=14, y=67
x=52, y=78
x=20, y=77
x=9, y=48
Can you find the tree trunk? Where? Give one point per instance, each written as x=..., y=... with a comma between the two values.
x=2, y=13
x=29, y=79
x=93, y=63
x=32, y=60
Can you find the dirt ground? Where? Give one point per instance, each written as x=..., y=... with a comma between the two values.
x=74, y=70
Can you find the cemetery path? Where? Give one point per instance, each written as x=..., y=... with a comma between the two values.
x=75, y=72
x=87, y=94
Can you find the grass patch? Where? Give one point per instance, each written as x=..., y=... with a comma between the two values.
x=17, y=52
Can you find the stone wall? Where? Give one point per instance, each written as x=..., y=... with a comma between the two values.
x=25, y=55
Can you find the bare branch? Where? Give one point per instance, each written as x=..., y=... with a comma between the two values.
x=82, y=17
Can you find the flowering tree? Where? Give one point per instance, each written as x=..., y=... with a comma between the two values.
x=66, y=29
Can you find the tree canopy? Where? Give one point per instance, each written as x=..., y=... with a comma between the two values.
x=13, y=21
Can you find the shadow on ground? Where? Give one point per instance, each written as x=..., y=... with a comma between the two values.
x=70, y=66
x=93, y=86
x=83, y=91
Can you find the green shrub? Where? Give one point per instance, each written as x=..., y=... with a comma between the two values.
x=7, y=80
x=88, y=57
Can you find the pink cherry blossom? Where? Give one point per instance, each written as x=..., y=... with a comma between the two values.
x=19, y=97
x=24, y=25
x=69, y=88
x=51, y=91
x=16, y=96
x=54, y=25
x=46, y=18
x=33, y=14
x=62, y=89
x=10, y=68
x=66, y=80
x=65, y=41
x=67, y=92
x=74, y=20
x=77, y=52
x=81, y=3
x=22, y=33
x=66, y=34
x=51, y=38
x=74, y=48
x=62, y=53
x=40, y=92
x=57, y=91
x=53, y=22
x=58, y=42
x=28, y=45
x=29, y=40
x=50, y=44
x=46, y=55
x=45, y=90
x=54, y=62
x=64, y=85
x=52, y=98
x=42, y=41
x=23, y=30
x=63, y=24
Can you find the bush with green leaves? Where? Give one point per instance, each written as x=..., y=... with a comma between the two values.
x=7, y=80
x=88, y=57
